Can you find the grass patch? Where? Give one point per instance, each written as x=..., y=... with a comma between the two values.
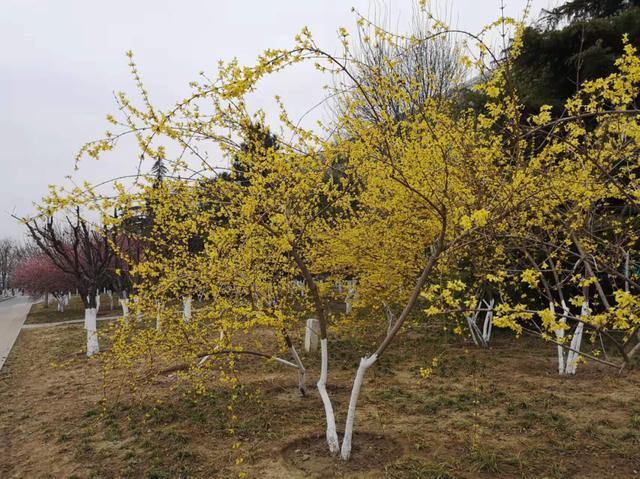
x=417, y=468
x=74, y=310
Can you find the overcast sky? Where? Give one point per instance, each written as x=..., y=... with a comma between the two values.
x=61, y=61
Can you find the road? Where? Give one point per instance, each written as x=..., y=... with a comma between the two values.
x=13, y=313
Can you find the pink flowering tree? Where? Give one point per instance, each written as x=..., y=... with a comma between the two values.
x=39, y=275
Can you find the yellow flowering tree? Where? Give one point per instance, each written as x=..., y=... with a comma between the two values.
x=576, y=248
x=411, y=190
x=403, y=200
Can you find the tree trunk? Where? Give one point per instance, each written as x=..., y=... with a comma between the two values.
x=110, y=294
x=626, y=271
x=186, y=308
x=311, y=335
x=90, y=324
x=488, y=323
x=365, y=363
x=562, y=364
x=301, y=370
x=574, y=353
x=477, y=335
x=138, y=310
x=124, y=302
x=332, y=435
x=350, y=295
x=60, y=299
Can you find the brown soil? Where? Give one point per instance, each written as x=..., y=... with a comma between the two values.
x=370, y=452
x=501, y=413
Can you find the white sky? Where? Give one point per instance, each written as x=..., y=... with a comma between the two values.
x=61, y=61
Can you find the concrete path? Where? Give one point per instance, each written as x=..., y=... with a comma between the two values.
x=13, y=313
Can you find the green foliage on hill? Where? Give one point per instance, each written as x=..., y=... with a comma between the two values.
x=574, y=42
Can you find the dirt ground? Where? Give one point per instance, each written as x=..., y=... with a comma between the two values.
x=501, y=413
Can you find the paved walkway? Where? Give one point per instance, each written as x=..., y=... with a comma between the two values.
x=62, y=323
x=13, y=313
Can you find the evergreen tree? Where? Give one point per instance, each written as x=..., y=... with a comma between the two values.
x=574, y=42
x=258, y=141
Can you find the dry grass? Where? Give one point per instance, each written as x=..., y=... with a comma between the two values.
x=499, y=413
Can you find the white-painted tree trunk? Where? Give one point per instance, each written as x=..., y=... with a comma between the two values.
x=186, y=308
x=301, y=371
x=488, y=323
x=568, y=359
x=158, y=318
x=138, y=310
x=365, y=363
x=90, y=324
x=332, y=434
x=124, y=303
x=350, y=295
x=97, y=302
x=560, y=337
x=110, y=295
x=476, y=335
x=573, y=354
x=471, y=320
x=311, y=335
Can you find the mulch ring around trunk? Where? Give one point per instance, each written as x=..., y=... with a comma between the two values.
x=311, y=455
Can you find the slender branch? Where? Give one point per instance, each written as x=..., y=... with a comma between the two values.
x=184, y=366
